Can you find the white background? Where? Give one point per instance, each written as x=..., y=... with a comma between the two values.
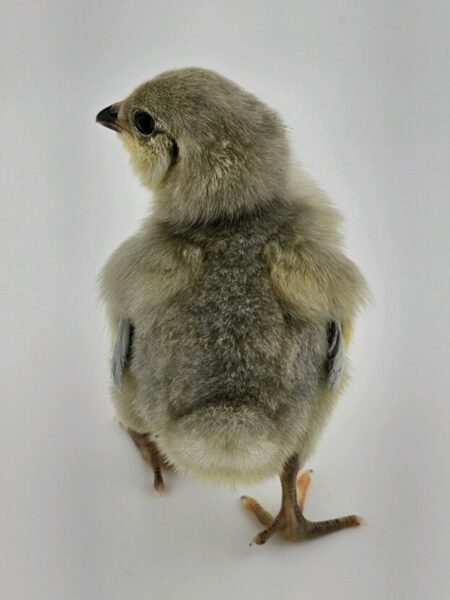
x=364, y=89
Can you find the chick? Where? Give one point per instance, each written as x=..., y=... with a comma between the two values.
x=232, y=306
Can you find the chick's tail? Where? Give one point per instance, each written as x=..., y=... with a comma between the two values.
x=225, y=443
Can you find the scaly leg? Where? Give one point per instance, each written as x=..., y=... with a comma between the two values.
x=290, y=522
x=151, y=454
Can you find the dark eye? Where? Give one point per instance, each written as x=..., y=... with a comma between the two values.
x=144, y=123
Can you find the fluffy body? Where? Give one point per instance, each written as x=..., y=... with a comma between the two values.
x=230, y=285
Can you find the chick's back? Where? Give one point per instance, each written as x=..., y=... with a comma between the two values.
x=225, y=379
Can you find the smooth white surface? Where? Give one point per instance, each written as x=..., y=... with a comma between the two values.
x=364, y=89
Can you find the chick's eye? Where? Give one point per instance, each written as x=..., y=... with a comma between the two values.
x=144, y=123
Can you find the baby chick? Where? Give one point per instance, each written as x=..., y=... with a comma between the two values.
x=232, y=306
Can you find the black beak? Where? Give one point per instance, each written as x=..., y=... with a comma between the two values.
x=108, y=117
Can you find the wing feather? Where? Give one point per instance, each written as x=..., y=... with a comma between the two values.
x=122, y=351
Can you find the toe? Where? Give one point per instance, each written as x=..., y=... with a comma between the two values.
x=303, y=482
x=255, y=507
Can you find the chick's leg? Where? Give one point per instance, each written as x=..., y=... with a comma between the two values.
x=290, y=522
x=151, y=454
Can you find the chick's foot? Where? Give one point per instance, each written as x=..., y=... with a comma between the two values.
x=290, y=522
x=151, y=454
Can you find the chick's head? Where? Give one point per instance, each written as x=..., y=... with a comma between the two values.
x=205, y=147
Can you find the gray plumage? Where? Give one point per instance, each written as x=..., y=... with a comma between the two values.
x=236, y=285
